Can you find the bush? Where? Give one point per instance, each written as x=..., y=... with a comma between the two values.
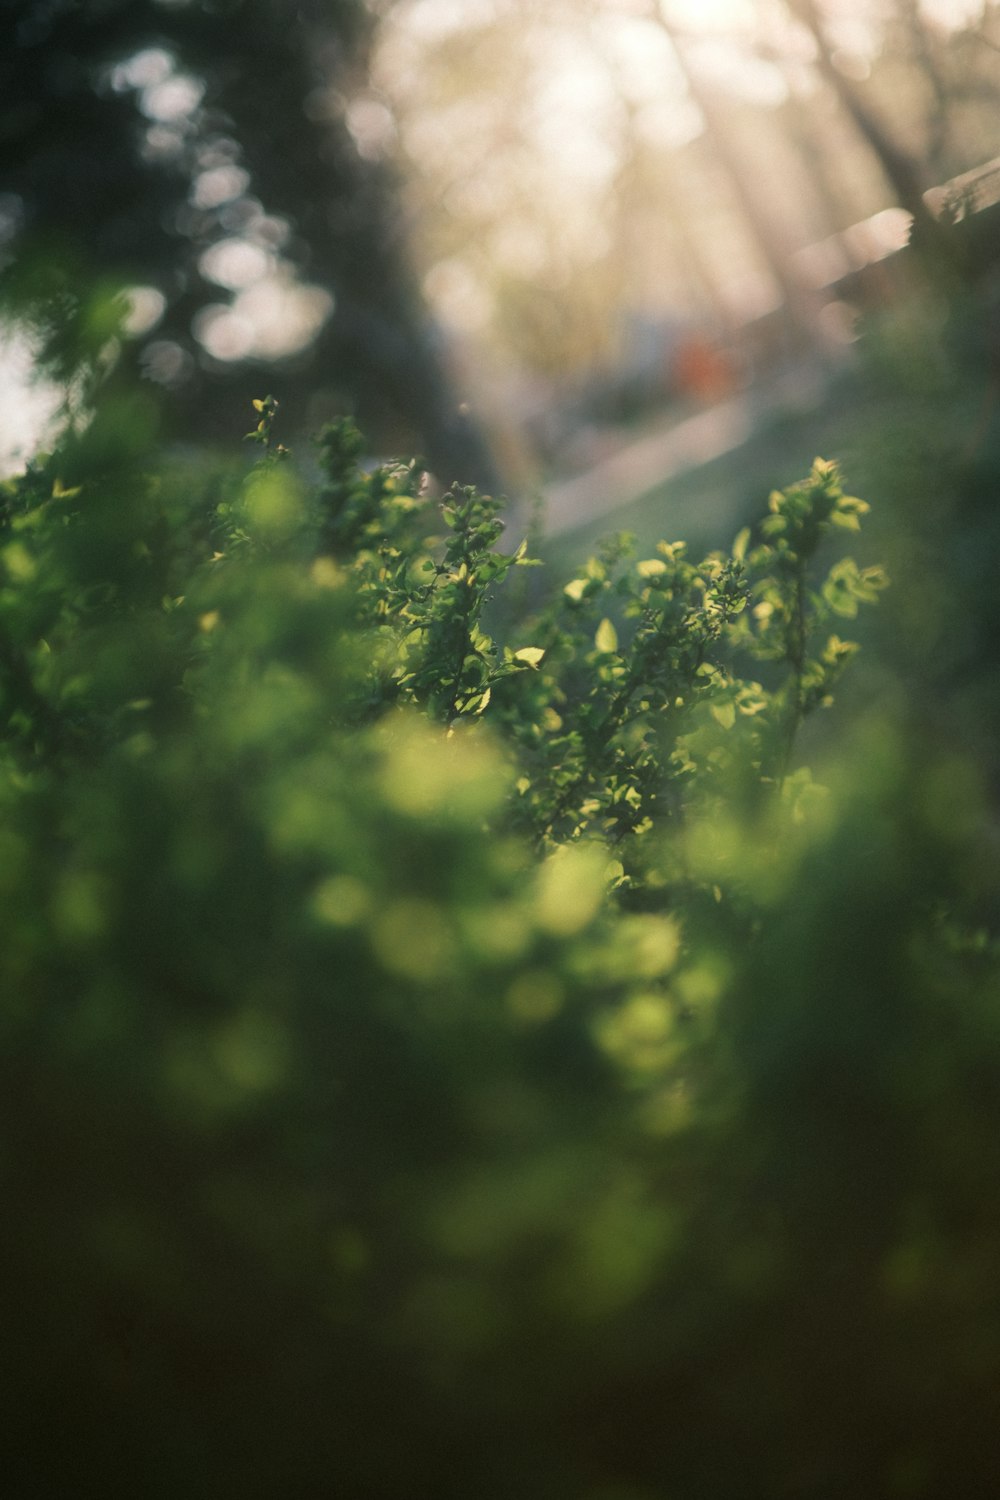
x=448, y=1056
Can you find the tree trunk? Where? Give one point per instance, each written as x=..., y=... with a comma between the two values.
x=929, y=238
x=799, y=301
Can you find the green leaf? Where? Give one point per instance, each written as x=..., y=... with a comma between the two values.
x=576, y=589
x=530, y=655
x=606, y=638
x=724, y=714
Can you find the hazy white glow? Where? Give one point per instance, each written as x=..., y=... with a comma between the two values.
x=163, y=141
x=435, y=19
x=166, y=363
x=879, y=236
x=739, y=73
x=239, y=215
x=268, y=230
x=174, y=99
x=222, y=333
x=146, y=306
x=710, y=15
x=453, y=132
x=29, y=407
x=953, y=13
x=219, y=185
x=823, y=263
x=668, y=122
x=641, y=54
x=371, y=125
x=575, y=111
x=143, y=70
x=520, y=247
x=730, y=15
x=457, y=295
x=273, y=319
x=286, y=315
x=235, y=263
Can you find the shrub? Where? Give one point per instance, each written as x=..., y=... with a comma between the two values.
x=444, y=1059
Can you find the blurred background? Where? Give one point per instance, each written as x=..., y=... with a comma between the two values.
x=574, y=244
x=633, y=262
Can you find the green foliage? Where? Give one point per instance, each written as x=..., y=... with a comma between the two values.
x=616, y=730
x=447, y=1060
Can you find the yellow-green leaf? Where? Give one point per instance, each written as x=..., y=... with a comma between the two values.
x=606, y=638
x=724, y=714
x=530, y=655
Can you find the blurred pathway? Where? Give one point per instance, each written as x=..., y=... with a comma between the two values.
x=656, y=457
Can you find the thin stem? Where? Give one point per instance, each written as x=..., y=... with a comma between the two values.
x=797, y=661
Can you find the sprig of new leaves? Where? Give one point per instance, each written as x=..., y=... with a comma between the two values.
x=632, y=700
